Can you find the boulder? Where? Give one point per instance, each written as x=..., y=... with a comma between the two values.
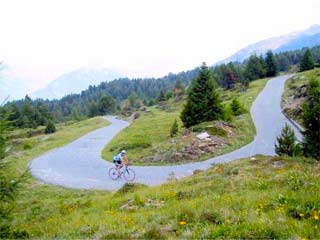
x=203, y=136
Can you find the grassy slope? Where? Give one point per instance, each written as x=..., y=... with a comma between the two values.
x=29, y=148
x=296, y=81
x=154, y=128
x=262, y=198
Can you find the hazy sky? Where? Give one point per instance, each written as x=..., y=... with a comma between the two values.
x=43, y=39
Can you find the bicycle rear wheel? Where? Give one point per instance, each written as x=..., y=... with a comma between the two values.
x=129, y=175
x=113, y=173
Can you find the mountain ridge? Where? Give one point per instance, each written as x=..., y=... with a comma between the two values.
x=75, y=82
x=292, y=41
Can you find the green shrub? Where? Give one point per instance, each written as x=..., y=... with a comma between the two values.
x=50, y=128
x=228, y=115
x=174, y=129
x=27, y=144
x=236, y=107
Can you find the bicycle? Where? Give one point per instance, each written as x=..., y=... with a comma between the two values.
x=128, y=173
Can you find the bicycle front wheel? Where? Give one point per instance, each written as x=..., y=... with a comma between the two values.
x=129, y=175
x=113, y=173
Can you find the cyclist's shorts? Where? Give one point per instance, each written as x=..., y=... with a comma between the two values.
x=117, y=162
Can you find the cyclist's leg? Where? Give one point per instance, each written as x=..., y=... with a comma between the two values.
x=118, y=165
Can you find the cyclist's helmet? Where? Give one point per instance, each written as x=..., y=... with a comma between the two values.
x=123, y=152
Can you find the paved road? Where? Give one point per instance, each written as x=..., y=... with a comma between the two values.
x=79, y=164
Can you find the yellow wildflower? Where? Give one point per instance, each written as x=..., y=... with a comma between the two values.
x=182, y=222
x=110, y=212
x=316, y=217
x=301, y=214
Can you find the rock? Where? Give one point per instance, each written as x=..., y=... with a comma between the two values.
x=136, y=115
x=207, y=149
x=177, y=155
x=278, y=164
x=212, y=144
x=185, y=132
x=203, y=145
x=203, y=135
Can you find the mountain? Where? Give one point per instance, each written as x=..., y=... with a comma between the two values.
x=75, y=82
x=11, y=84
x=307, y=38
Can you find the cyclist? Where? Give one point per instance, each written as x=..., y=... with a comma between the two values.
x=120, y=160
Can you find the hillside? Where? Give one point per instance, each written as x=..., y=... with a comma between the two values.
x=149, y=142
x=262, y=197
x=295, y=93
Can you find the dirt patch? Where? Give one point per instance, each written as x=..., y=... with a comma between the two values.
x=189, y=148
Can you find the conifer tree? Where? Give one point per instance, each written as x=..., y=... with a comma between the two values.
x=50, y=128
x=255, y=68
x=203, y=102
x=106, y=104
x=162, y=96
x=271, y=65
x=311, y=121
x=236, y=107
x=178, y=90
x=307, y=62
x=9, y=185
x=286, y=143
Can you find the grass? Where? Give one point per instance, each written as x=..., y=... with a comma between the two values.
x=261, y=198
x=149, y=135
x=23, y=148
x=290, y=91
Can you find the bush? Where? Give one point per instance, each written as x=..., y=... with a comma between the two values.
x=50, y=128
x=27, y=144
x=174, y=129
x=236, y=107
x=228, y=115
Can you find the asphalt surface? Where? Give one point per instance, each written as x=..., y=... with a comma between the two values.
x=79, y=164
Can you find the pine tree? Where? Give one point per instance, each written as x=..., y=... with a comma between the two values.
x=255, y=68
x=271, y=65
x=311, y=121
x=162, y=96
x=106, y=105
x=174, y=129
x=236, y=107
x=203, y=102
x=231, y=80
x=178, y=90
x=28, y=113
x=50, y=128
x=286, y=143
x=9, y=186
x=307, y=62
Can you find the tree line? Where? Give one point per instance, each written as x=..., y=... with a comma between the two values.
x=129, y=94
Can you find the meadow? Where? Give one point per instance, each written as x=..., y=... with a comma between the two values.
x=149, y=135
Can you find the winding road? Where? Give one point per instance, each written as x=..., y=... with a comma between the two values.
x=79, y=164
